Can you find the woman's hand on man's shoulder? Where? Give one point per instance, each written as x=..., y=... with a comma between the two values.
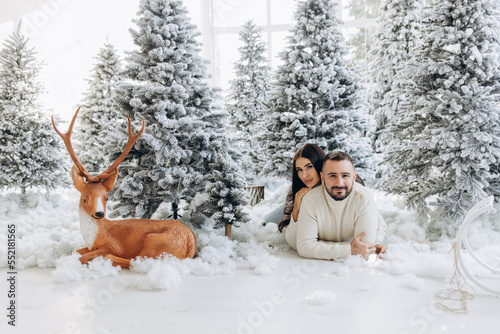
x=298, y=201
x=301, y=193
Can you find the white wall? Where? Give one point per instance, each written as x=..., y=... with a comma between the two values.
x=67, y=34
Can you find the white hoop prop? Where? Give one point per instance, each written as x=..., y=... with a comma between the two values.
x=461, y=240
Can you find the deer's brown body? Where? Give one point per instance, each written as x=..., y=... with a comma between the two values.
x=121, y=240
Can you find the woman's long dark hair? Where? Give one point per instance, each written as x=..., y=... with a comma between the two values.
x=316, y=155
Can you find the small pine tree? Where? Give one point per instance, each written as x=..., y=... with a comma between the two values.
x=397, y=33
x=226, y=190
x=315, y=97
x=99, y=114
x=245, y=103
x=164, y=82
x=30, y=150
x=446, y=142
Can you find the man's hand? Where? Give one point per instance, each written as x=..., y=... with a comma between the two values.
x=380, y=249
x=362, y=248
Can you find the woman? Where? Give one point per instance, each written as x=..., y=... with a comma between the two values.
x=306, y=168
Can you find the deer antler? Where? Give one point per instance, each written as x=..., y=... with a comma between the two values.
x=89, y=178
x=130, y=143
x=66, y=137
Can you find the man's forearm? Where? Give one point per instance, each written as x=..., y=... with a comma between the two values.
x=324, y=250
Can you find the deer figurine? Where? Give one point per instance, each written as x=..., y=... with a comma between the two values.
x=121, y=240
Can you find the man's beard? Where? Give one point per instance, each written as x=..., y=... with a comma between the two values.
x=337, y=197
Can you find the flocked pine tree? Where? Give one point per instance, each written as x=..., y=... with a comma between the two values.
x=165, y=83
x=99, y=115
x=226, y=191
x=315, y=97
x=245, y=102
x=247, y=97
x=30, y=150
x=447, y=140
x=397, y=33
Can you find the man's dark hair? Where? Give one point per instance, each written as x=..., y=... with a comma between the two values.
x=337, y=156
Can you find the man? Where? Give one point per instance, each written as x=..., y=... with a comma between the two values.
x=340, y=217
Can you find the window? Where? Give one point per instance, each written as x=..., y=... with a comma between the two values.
x=220, y=21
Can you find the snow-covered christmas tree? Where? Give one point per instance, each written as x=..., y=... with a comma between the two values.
x=30, y=150
x=446, y=142
x=99, y=115
x=398, y=32
x=165, y=83
x=226, y=190
x=246, y=101
x=315, y=97
x=248, y=90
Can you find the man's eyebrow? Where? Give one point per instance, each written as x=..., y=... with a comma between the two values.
x=343, y=173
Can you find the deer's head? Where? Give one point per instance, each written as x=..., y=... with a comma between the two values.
x=94, y=189
x=93, y=195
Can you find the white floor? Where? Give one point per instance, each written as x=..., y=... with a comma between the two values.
x=361, y=300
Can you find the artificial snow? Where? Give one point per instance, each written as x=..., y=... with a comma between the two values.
x=48, y=232
x=159, y=274
x=257, y=260
x=320, y=297
x=411, y=281
x=69, y=269
x=341, y=271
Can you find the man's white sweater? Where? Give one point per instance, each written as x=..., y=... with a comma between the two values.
x=325, y=227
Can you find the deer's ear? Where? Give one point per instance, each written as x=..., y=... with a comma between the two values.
x=78, y=180
x=109, y=183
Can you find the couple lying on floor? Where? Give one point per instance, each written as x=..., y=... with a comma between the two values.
x=329, y=214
